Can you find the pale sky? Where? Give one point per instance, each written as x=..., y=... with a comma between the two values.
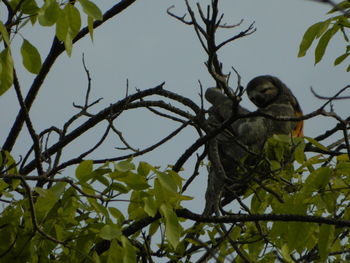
x=146, y=46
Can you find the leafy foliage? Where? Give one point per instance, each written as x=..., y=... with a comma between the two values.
x=324, y=31
x=117, y=210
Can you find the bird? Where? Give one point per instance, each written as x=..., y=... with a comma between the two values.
x=243, y=141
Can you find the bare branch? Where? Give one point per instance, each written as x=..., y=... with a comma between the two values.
x=335, y=97
x=250, y=30
x=33, y=135
x=180, y=18
x=261, y=217
x=195, y=173
x=56, y=50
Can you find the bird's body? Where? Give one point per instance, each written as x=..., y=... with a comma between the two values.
x=246, y=136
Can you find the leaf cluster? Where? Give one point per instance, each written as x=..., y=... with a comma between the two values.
x=324, y=31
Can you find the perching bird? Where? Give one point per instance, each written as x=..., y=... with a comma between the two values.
x=245, y=138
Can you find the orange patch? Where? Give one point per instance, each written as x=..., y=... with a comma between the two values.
x=298, y=130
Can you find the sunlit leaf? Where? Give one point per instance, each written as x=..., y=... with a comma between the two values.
x=323, y=42
x=29, y=7
x=115, y=253
x=153, y=228
x=341, y=6
x=323, y=175
x=144, y=169
x=62, y=26
x=167, y=181
x=48, y=13
x=73, y=19
x=110, y=231
x=285, y=254
x=326, y=237
x=47, y=199
x=120, y=188
x=31, y=57
x=309, y=36
x=6, y=70
x=172, y=227
x=129, y=251
x=343, y=158
x=298, y=235
x=68, y=44
x=340, y=59
x=150, y=206
x=124, y=166
x=84, y=170
x=116, y=214
x=135, y=208
x=134, y=181
x=91, y=27
x=317, y=144
x=91, y=9
x=4, y=33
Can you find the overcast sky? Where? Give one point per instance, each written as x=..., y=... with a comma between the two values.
x=146, y=46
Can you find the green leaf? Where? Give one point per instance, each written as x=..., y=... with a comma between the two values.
x=129, y=251
x=29, y=7
x=115, y=253
x=341, y=6
x=84, y=170
x=91, y=27
x=68, y=44
x=153, y=228
x=116, y=214
x=326, y=237
x=285, y=254
x=144, y=169
x=341, y=58
x=62, y=26
x=323, y=175
x=317, y=180
x=343, y=158
x=98, y=207
x=150, y=206
x=134, y=181
x=310, y=35
x=110, y=231
x=124, y=166
x=3, y=185
x=172, y=227
x=6, y=70
x=4, y=34
x=323, y=42
x=167, y=181
x=317, y=144
x=47, y=199
x=298, y=235
x=330, y=200
x=299, y=154
x=31, y=57
x=135, y=208
x=48, y=13
x=120, y=188
x=73, y=19
x=91, y=9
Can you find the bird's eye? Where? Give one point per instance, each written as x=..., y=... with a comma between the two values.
x=265, y=90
